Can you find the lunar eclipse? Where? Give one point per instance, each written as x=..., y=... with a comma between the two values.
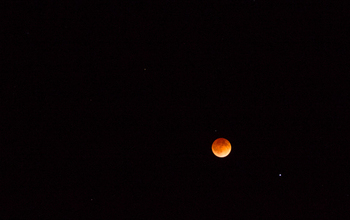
x=221, y=147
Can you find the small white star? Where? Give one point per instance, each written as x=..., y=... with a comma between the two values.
x=280, y=174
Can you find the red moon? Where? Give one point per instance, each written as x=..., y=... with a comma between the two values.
x=221, y=147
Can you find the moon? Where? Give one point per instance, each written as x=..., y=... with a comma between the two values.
x=221, y=147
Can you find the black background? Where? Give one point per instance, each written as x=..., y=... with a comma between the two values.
x=110, y=110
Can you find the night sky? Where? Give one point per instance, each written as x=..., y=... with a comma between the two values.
x=110, y=110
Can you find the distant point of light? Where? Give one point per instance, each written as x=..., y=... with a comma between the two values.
x=144, y=68
x=279, y=174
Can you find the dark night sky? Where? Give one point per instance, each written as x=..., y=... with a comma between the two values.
x=111, y=110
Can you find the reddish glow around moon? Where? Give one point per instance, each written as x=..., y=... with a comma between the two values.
x=221, y=147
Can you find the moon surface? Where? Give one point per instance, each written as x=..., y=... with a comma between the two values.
x=221, y=147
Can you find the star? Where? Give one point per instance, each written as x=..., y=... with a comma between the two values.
x=280, y=174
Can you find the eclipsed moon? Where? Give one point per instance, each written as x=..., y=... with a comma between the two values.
x=221, y=147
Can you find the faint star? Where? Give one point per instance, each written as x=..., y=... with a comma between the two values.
x=280, y=174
